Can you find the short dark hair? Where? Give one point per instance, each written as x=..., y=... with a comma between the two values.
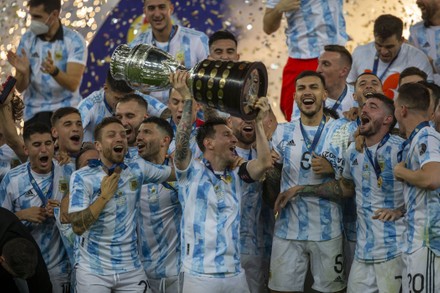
x=221, y=35
x=388, y=25
x=49, y=5
x=208, y=130
x=345, y=54
x=435, y=89
x=415, y=96
x=33, y=128
x=307, y=73
x=363, y=74
x=61, y=112
x=409, y=71
x=162, y=124
x=331, y=113
x=106, y=121
x=21, y=255
x=134, y=98
x=117, y=85
x=389, y=105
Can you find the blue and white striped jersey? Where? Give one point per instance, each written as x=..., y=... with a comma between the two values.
x=17, y=193
x=188, y=47
x=377, y=241
x=159, y=229
x=210, y=220
x=93, y=109
x=109, y=246
x=422, y=218
x=306, y=218
x=43, y=92
x=7, y=156
x=315, y=24
x=251, y=203
x=427, y=39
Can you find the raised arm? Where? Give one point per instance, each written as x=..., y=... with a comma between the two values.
x=256, y=168
x=272, y=16
x=426, y=177
x=182, y=154
x=83, y=220
x=22, y=69
x=69, y=79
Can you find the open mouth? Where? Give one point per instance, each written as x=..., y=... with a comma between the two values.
x=44, y=159
x=118, y=149
x=75, y=138
x=128, y=131
x=248, y=129
x=368, y=93
x=308, y=101
x=140, y=146
x=364, y=120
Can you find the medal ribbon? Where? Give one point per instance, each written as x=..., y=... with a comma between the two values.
x=311, y=145
x=41, y=195
x=374, y=161
x=339, y=100
x=410, y=138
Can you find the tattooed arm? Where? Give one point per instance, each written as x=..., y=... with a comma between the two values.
x=333, y=190
x=182, y=154
x=82, y=220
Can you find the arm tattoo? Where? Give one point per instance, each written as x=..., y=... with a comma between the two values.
x=330, y=190
x=81, y=221
x=184, y=132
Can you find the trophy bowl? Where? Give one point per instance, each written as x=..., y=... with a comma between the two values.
x=228, y=86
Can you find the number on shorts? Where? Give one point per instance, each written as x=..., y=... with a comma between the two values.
x=414, y=280
x=401, y=285
x=145, y=284
x=339, y=264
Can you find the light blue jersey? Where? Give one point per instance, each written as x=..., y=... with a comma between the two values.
x=427, y=39
x=159, y=229
x=17, y=193
x=306, y=218
x=422, y=218
x=377, y=241
x=211, y=220
x=187, y=46
x=109, y=246
x=7, y=160
x=251, y=202
x=43, y=92
x=93, y=109
x=315, y=24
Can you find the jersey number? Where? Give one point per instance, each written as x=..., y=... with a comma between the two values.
x=305, y=161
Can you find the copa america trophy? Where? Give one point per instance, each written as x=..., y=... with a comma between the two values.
x=228, y=86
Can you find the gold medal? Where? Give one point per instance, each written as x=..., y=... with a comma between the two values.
x=379, y=182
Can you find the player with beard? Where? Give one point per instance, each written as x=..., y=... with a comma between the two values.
x=210, y=197
x=419, y=169
x=32, y=191
x=103, y=207
x=308, y=228
x=368, y=175
x=131, y=110
x=160, y=212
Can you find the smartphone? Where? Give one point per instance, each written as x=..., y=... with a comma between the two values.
x=8, y=85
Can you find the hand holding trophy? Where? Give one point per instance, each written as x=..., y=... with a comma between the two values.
x=228, y=86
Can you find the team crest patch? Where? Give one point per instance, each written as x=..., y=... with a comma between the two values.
x=422, y=149
x=133, y=185
x=63, y=186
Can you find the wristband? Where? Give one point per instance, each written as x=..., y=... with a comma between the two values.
x=55, y=72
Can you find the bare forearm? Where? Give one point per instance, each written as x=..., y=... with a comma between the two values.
x=68, y=82
x=83, y=220
x=12, y=139
x=183, y=133
x=263, y=162
x=333, y=190
x=272, y=20
x=23, y=80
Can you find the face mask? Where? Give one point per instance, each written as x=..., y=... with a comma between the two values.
x=38, y=27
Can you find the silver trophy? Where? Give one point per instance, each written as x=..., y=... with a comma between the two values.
x=228, y=86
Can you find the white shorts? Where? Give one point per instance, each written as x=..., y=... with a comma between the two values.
x=376, y=277
x=60, y=283
x=198, y=284
x=420, y=273
x=349, y=249
x=164, y=285
x=134, y=281
x=252, y=265
x=290, y=260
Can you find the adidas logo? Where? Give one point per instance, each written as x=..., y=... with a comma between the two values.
x=355, y=162
x=35, y=55
x=292, y=142
x=339, y=279
x=29, y=193
x=426, y=45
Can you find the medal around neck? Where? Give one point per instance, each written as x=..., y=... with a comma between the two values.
x=228, y=86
